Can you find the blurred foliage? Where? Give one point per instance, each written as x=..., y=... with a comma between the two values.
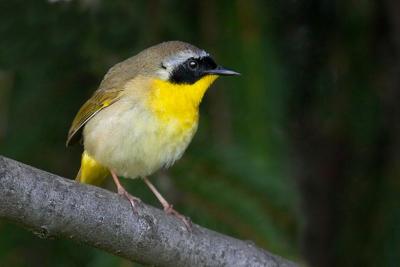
x=299, y=154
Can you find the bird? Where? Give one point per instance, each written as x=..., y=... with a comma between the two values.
x=143, y=116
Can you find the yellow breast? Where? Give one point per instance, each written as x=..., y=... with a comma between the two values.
x=137, y=140
x=178, y=102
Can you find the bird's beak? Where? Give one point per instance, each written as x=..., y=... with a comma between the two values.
x=219, y=70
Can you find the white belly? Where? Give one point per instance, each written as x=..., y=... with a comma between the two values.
x=131, y=141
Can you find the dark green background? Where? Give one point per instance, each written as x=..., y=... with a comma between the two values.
x=299, y=154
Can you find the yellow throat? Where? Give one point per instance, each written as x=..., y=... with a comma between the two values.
x=179, y=102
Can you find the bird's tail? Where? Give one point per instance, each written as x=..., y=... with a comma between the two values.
x=91, y=172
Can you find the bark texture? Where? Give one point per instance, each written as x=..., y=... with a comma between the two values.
x=52, y=206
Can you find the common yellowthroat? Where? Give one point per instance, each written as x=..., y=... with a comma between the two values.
x=144, y=115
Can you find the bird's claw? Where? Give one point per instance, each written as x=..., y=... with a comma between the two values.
x=186, y=220
x=134, y=201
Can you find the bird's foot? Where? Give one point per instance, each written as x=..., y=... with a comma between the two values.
x=135, y=202
x=168, y=208
x=186, y=220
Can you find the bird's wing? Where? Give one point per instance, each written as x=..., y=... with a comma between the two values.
x=99, y=100
x=108, y=93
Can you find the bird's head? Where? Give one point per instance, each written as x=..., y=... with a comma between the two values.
x=181, y=68
x=183, y=63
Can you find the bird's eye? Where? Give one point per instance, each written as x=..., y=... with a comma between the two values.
x=193, y=64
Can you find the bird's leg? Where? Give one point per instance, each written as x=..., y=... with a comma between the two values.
x=168, y=208
x=122, y=191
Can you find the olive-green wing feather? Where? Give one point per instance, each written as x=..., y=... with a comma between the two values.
x=108, y=93
x=100, y=100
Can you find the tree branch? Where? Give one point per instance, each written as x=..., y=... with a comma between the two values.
x=52, y=206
